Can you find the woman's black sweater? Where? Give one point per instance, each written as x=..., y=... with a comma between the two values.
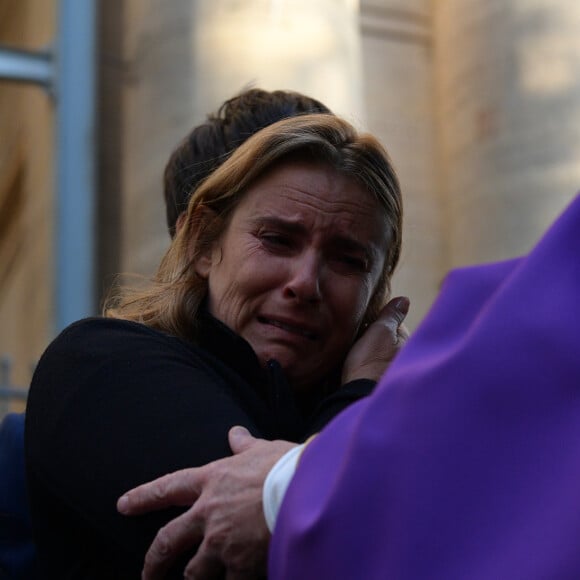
x=114, y=404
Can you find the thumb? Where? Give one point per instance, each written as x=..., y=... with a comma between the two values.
x=240, y=439
x=396, y=310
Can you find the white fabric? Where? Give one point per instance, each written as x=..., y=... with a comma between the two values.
x=277, y=483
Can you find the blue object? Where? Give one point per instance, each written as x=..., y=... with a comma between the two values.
x=17, y=551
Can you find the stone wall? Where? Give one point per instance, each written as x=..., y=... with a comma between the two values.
x=508, y=95
x=26, y=194
x=399, y=87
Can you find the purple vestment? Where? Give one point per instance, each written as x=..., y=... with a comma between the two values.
x=465, y=461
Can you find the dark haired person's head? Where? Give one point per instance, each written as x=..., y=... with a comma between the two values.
x=208, y=145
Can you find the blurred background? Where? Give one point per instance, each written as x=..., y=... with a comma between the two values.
x=478, y=104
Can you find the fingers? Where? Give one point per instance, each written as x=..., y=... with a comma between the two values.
x=240, y=557
x=240, y=439
x=402, y=305
x=205, y=564
x=176, y=489
x=392, y=316
x=373, y=352
x=402, y=333
x=179, y=535
x=395, y=310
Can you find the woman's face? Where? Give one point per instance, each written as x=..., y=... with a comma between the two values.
x=295, y=269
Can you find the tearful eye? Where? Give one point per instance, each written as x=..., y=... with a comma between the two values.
x=276, y=240
x=354, y=262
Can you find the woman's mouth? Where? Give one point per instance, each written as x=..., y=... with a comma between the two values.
x=293, y=328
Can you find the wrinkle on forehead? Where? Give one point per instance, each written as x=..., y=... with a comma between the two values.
x=329, y=192
x=356, y=205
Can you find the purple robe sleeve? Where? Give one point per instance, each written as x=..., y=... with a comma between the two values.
x=465, y=461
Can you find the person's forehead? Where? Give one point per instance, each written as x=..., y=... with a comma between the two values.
x=310, y=188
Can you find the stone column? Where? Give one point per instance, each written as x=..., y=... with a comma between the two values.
x=26, y=200
x=399, y=90
x=508, y=90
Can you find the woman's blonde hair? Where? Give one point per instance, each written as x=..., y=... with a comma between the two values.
x=170, y=302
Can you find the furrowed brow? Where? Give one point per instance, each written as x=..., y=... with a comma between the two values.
x=290, y=227
x=350, y=245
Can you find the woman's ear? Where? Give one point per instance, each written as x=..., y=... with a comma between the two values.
x=203, y=264
x=203, y=234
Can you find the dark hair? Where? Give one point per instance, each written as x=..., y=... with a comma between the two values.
x=208, y=145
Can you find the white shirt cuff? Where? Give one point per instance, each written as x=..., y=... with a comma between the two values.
x=277, y=483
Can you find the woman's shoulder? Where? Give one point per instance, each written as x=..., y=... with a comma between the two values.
x=108, y=326
x=114, y=331
x=106, y=354
x=100, y=340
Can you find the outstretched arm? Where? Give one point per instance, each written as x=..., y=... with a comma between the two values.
x=226, y=519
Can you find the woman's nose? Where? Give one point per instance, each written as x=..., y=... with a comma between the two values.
x=304, y=281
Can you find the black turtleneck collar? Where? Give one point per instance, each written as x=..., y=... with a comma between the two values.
x=233, y=350
x=270, y=382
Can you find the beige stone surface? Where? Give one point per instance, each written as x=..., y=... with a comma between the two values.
x=158, y=112
x=508, y=94
x=399, y=89
x=26, y=193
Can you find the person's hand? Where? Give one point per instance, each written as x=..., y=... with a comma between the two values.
x=226, y=519
x=373, y=352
